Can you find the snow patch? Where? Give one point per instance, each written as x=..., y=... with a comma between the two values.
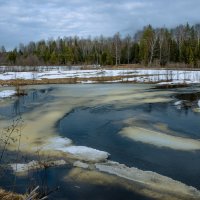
x=178, y=103
x=88, y=82
x=7, y=93
x=33, y=165
x=137, y=75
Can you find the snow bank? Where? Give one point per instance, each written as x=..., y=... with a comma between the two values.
x=128, y=75
x=7, y=93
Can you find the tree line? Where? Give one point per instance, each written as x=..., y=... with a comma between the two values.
x=149, y=47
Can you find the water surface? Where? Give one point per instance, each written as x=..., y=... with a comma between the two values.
x=93, y=116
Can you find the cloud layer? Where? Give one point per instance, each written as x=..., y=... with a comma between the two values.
x=22, y=20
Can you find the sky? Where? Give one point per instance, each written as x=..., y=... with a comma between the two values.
x=22, y=21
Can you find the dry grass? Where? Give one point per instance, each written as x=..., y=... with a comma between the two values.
x=61, y=80
x=5, y=195
x=99, y=79
x=107, y=79
x=171, y=66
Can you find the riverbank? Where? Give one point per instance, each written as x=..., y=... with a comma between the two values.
x=64, y=76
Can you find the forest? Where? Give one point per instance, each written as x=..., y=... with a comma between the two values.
x=148, y=47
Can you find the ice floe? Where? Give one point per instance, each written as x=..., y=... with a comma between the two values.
x=64, y=145
x=86, y=153
x=159, y=139
x=81, y=165
x=56, y=143
x=79, y=152
x=146, y=183
x=150, y=181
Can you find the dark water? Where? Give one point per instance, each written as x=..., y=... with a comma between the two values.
x=52, y=180
x=33, y=98
x=98, y=127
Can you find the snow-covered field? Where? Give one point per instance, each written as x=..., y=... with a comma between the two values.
x=128, y=75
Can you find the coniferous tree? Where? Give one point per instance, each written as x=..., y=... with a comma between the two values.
x=160, y=46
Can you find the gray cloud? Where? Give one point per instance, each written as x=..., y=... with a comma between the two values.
x=23, y=21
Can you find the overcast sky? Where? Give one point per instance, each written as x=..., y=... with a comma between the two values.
x=24, y=20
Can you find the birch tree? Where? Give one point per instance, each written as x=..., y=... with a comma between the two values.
x=117, y=49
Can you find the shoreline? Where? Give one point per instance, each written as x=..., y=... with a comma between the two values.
x=58, y=75
x=96, y=80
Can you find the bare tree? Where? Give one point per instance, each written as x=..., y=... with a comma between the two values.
x=164, y=46
x=152, y=44
x=128, y=43
x=117, y=45
x=197, y=30
x=178, y=34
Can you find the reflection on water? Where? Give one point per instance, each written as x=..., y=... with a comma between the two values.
x=194, y=96
x=93, y=115
x=71, y=189
x=98, y=127
x=34, y=97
